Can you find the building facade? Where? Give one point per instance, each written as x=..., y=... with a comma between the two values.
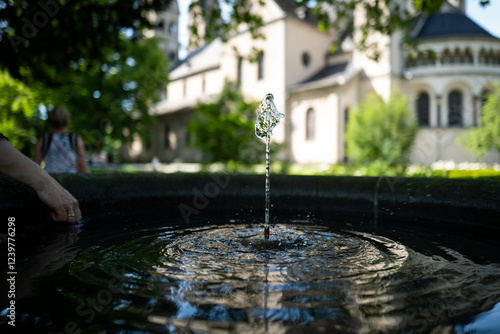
x=316, y=89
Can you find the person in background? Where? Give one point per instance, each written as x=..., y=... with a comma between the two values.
x=155, y=163
x=16, y=165
x=62, y=151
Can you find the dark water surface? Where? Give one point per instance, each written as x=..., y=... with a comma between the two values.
x=163, y=276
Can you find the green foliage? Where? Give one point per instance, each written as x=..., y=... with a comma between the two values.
x=110, y=99
x=224, y=130
x=47, y=37
x=217, y=23
x=90, y=56
x=377, y=169
x=18, y=117
x=487, y=135
x=489, y=173
x=381, y=132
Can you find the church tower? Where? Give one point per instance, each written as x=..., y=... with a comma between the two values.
x=167, y=23
x=197, y=21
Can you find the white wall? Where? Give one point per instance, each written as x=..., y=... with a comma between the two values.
x=301, y=38
x=432, y=145
x=274, y=67
x=324, y=148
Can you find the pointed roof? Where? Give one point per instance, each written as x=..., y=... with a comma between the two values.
x=200, y=60
x=302, y=13
x=327, y=71
x=331, y=75
x=449, y=22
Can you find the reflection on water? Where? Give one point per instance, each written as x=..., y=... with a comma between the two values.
x=486, y=322
x=228, y=279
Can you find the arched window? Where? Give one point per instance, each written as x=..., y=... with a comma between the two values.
x=260, y=66
x=423, y=109
x=166, y=134
x=306, y=59
x=446, y=57
x=172, y=29
x=310, y=124
x=171, y=56
x=160, y=25
x=455, y=108
x=491, y=57
x=469, y=58
x=410, y=61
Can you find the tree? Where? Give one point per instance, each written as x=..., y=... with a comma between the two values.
x=18, y=118
x=487, y=135
x=223, y=130
x=379, y=131
x=39, y=39
x=111, y=98
x=90, y=56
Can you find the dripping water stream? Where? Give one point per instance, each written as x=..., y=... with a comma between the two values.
x=266, y=220
x=268, y=117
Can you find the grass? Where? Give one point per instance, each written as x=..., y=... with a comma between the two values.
x=440, y=170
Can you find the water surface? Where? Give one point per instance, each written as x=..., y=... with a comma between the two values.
x=161, y=276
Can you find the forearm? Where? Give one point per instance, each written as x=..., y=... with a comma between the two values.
x=16, y=165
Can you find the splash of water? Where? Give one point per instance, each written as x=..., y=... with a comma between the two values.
x=268, y=117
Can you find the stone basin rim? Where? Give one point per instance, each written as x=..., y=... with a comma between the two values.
x=458, y=203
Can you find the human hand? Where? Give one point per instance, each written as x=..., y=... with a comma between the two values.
x=17, y=165
x=65, y=207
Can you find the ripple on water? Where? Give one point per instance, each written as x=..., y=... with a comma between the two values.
x=303, y=274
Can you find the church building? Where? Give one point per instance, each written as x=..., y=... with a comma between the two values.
x=316, y=89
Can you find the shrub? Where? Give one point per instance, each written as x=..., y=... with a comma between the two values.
x=487, y=135
x=223, y=130
x=382, y=132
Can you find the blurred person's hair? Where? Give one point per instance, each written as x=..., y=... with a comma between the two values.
x=58, y=117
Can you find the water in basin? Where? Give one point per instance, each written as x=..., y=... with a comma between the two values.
x=158, y=275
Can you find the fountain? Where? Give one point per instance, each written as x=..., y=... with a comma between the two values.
x=351, y=255
x=268, y=117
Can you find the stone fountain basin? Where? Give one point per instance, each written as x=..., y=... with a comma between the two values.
x=472, y=206
x=160, y=235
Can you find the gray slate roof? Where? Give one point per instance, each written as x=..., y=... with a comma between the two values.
x=327, y=71
x=450, y=22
